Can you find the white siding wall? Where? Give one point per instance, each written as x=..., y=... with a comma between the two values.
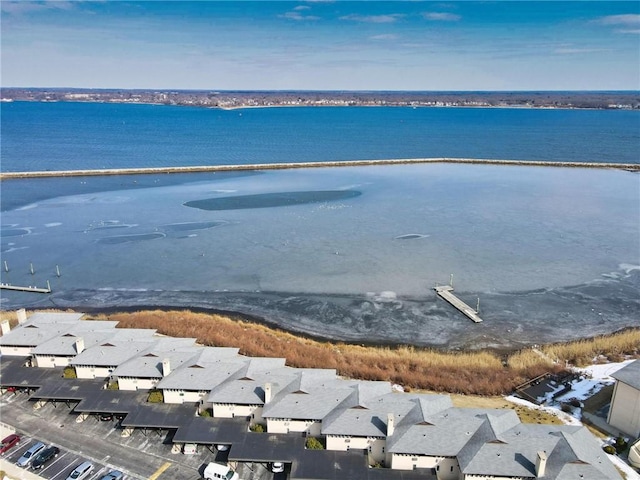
x=282, y=425
x=182, y=396
x=489, y=477
x=15, y=351
x=375, y=446
x=89, y=371
x=132, y=383
x=51, y=361
x=446, y=468
x=625, y=409
x=229, y=410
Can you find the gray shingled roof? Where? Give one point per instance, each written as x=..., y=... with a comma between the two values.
x=113, y=351
x=629, y=374
x=148, y=363
x=241, y=391
x=571, y=452
x=314, y=402
x=442, y=434
x=197, y=375
x=32, y=335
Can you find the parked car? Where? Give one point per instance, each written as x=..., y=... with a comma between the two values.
x=113, y=475
x=28, y=456
x=44, y=457
x=216, y=471
x=81, y=471
x=189, y=449
x=222, y=448
x=106, y=417
x=9, y=442
x=277, y=467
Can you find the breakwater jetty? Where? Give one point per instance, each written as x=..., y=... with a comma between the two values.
x=285, y=166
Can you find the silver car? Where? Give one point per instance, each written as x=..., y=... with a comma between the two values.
x=81, y=471
x=28, y=456
x=113, y=475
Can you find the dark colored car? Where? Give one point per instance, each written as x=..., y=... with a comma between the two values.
x=9, y=442
x=105, y=417
x=45, y=457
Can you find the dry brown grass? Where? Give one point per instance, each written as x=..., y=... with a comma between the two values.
x=613, y=348
x=415, y=368
x=480, y=373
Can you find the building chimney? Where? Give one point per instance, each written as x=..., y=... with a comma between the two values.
x=6, y=328
x=166, y=367
x=79, y=345
x=391, y=424
x=22, y=315
x=541, y=464
x=267, y=393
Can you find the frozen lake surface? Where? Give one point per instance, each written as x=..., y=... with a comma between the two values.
x=344, y=253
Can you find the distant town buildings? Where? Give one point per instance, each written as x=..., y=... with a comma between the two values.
x=248, y=99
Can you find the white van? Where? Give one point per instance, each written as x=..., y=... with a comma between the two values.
x=216, y=471
x=189, y=449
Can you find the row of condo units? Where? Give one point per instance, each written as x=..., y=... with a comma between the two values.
x=403, y=431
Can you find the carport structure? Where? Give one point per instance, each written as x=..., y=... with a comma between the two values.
x=15, y=374
x=116, y=402
x=158, y=417
x=210, y=431
x=353, y=464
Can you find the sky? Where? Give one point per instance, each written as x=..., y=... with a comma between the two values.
x=321, y=45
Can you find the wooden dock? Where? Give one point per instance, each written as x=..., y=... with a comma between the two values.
x=7, y=286
x=446, y=292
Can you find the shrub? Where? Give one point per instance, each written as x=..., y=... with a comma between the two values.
x=313, y=443
x=205, y=413
x=609, y=449
x=69, y=372
x=621, y=445
x=113, y=386
x=257, y=428
x=155, y=396
x=566, y=408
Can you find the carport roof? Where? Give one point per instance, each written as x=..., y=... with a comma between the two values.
x=210, y=431
x=332, y=465
x=267, y=447
x=13, y=373
x=57, y=388
x=159, y=415
x=111, y=401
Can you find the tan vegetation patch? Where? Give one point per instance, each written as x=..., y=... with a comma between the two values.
x=613, y=348
x=478, y=373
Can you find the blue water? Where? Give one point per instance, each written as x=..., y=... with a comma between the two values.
x=348, y=253
x=64, y=136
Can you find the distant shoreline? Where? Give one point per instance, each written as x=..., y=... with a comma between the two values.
x=285, y=166
x=230, y=100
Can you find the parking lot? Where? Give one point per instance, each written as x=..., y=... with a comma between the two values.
x=142, y=455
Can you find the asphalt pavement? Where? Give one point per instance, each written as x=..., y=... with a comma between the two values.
x=141, y=455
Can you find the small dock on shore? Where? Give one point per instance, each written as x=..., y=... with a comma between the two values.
x=446, y=292
x=7, y=286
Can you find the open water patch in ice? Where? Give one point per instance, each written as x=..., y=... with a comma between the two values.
x=411, y=236
x=188, y=226
x=119, y=239
x=269, y=200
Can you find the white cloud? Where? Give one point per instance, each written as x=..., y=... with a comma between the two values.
x=441, y=16
x=302, y=7
x=629, y=19
x=574, y=51
x=297, y=16
x=20, y=7
x=390, y=18
x=635, y=31
x=384, y=36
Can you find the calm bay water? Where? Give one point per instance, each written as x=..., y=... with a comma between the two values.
x=351, y=253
